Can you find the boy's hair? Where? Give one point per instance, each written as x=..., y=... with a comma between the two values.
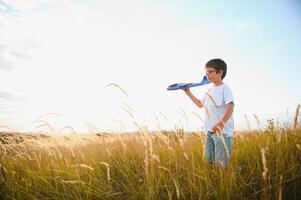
x=219, y=65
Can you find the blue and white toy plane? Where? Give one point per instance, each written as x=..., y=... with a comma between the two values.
x=178, y=86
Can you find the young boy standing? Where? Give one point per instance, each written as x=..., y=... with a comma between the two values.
x=218, y=103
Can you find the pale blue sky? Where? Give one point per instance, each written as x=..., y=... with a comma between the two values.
x=57, y=56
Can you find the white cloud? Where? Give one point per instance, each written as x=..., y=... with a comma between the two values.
x=240, y=26
x=248, y=26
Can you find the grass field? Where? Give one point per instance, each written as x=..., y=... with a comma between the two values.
x=149, y=165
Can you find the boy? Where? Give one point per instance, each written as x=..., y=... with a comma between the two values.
x=218, y=103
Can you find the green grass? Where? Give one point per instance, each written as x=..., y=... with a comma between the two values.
x=149, y=165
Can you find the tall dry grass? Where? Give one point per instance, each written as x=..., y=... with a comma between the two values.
x=148, y=165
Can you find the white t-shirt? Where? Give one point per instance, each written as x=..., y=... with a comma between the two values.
x=215, y=101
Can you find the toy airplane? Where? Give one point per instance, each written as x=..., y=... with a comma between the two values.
x=178, y=86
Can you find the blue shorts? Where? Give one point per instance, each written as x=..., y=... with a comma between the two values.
x=217, y=147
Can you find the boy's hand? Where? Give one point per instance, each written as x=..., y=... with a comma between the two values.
x=186, y=90
x=192, y=97
x=218, y=126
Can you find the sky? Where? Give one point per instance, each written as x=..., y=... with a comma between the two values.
x=57, y=58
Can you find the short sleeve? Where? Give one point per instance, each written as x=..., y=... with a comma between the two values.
x=228, y=95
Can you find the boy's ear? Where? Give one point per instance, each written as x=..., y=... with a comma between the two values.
x=222, y=72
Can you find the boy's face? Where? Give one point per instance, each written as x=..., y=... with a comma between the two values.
x=213, y=75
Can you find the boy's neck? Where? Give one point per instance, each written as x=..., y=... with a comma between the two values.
x=218, y=83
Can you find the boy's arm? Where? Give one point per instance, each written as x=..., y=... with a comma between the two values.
x=195, y=100
x=220, y=125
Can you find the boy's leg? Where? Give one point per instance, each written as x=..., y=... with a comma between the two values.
x=222, y=145
x=208, y=148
